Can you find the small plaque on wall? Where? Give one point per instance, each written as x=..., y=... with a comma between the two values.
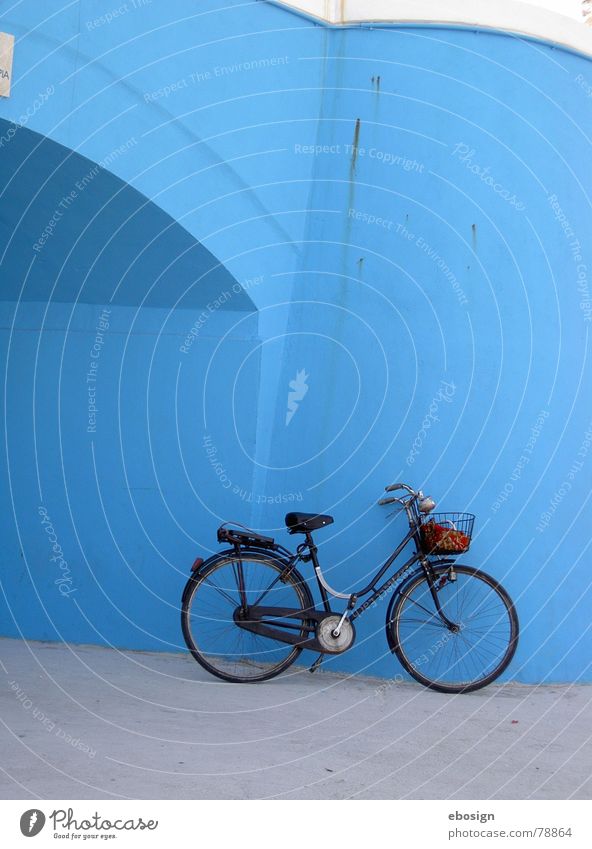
x=6, y=51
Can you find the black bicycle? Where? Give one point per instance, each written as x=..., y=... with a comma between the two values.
x=247, y=613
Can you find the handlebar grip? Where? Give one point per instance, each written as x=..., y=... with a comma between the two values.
x=394, y=486
x=387, y=501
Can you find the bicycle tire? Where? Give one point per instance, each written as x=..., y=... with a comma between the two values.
x=257, y=663
x=403, y=630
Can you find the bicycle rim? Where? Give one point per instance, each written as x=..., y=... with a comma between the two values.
x=216, y=641
x=468, y=659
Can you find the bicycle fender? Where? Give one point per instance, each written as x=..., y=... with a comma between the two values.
x=199, y=564
x=255, y=554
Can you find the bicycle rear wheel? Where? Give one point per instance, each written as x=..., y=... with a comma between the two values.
x=213, y=597
x=454, y=661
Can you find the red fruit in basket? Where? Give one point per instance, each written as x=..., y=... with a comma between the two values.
x=444, y=538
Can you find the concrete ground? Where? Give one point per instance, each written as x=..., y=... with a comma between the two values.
x=84, y=722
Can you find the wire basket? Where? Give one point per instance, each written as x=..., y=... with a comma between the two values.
x=446, y=533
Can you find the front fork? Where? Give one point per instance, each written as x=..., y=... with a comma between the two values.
x=432, y=580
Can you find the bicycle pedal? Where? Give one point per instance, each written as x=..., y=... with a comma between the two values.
x=317, y=663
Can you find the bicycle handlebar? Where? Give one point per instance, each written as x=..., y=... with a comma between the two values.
x=395, y=486
x=417, y=500
x=404, y=502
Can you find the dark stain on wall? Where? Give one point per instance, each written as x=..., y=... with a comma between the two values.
x=355, y=145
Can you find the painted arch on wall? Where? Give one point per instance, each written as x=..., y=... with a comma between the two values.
x=73, y=232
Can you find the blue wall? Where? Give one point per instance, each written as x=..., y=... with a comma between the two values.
x=400, y=213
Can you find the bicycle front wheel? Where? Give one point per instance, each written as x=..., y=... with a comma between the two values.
x=465, y=658
x=209, y=609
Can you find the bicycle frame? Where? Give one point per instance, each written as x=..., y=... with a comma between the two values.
x=325, y=589
x=418, y=557
x=351, y=612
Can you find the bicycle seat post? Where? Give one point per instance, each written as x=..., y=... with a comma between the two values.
x=311, y=547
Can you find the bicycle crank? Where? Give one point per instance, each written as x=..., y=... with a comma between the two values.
x=333, y=638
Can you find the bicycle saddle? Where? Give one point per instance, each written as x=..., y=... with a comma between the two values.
x=301, y=523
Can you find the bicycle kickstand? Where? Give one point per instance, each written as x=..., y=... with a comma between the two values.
x=317, y=663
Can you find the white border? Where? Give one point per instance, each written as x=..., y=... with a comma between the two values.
x=501, y=15
x=6, y=51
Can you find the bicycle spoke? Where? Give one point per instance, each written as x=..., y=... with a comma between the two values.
x=260, y=598
x=435, y=615
x=220, y=590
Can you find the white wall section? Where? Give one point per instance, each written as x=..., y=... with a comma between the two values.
x=504, y=15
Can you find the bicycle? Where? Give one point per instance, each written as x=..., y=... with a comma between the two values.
x=247, y=613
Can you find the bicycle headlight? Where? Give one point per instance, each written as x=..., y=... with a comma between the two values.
x=426, y=504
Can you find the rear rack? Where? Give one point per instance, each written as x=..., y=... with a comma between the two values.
x=245, y=537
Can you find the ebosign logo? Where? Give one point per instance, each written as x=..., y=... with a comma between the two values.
x=32, y=822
